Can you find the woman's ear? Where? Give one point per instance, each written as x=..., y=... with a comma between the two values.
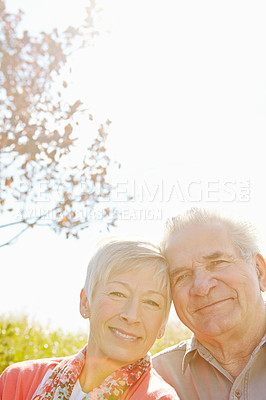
x=161, y=332
x=261, y=271
x=84, y=307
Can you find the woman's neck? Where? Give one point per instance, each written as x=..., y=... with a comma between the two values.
x=96, y=369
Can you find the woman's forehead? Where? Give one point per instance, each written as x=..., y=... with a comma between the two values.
x=145, y=277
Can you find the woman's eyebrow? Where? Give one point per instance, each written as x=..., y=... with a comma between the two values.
x=155, y=292
x=148, y=291
x=119, y=282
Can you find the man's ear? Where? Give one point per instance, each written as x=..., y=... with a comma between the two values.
x=84, y=306
x=261, y=271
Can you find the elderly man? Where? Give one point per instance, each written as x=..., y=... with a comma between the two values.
x=218, y=277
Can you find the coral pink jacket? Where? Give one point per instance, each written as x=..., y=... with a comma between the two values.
x=20, y=381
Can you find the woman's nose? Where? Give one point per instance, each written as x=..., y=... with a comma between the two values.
x=130, y=312
x=203, y=282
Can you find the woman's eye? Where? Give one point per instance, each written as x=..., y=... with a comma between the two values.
x=117, y=294
x=152, y=303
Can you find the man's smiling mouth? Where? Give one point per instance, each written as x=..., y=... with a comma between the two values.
x=212, y=305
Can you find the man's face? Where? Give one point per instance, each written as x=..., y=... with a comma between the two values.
x=215, y=291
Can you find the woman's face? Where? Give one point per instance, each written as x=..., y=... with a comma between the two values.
x=127, y=314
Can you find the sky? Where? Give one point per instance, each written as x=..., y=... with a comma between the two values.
x=184, y=85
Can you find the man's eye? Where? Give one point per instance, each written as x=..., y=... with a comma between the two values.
x=218, y=262
x=180, y=279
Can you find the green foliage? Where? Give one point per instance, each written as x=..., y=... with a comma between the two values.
x=23, y=339
x=175, y=332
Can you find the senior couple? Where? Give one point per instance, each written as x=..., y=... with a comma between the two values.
x=217, y=277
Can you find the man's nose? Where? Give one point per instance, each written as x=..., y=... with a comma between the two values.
x=131, y=311
x=203, y=282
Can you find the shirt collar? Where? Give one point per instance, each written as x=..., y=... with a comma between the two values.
x=192, y=346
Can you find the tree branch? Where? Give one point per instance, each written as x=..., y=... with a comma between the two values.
x=23, y=221
x=29, y=225
x=15, y=237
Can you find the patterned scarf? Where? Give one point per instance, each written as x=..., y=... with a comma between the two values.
x=62, y=381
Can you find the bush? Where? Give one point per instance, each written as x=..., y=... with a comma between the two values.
x=175, y=332
x=25, y=339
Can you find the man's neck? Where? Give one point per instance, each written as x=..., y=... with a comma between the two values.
x=234, y=351
x=230, y=357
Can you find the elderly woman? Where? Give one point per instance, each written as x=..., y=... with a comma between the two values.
x=126, y=297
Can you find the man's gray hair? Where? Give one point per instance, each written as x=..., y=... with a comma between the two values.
x=243, y=233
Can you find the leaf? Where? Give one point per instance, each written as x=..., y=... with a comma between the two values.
x=94, y=178
x=52, y=154
x=64, y=220
x=68, y=129
x=85, y=197
x=74, y=108
x=9, y=181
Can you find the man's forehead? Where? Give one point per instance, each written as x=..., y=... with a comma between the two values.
x=199, y=242
x=198, y=232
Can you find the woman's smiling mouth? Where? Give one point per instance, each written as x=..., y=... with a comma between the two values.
x=124, y=335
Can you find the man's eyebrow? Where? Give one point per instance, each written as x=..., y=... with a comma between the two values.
x=209, y=257
x=215, y=255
